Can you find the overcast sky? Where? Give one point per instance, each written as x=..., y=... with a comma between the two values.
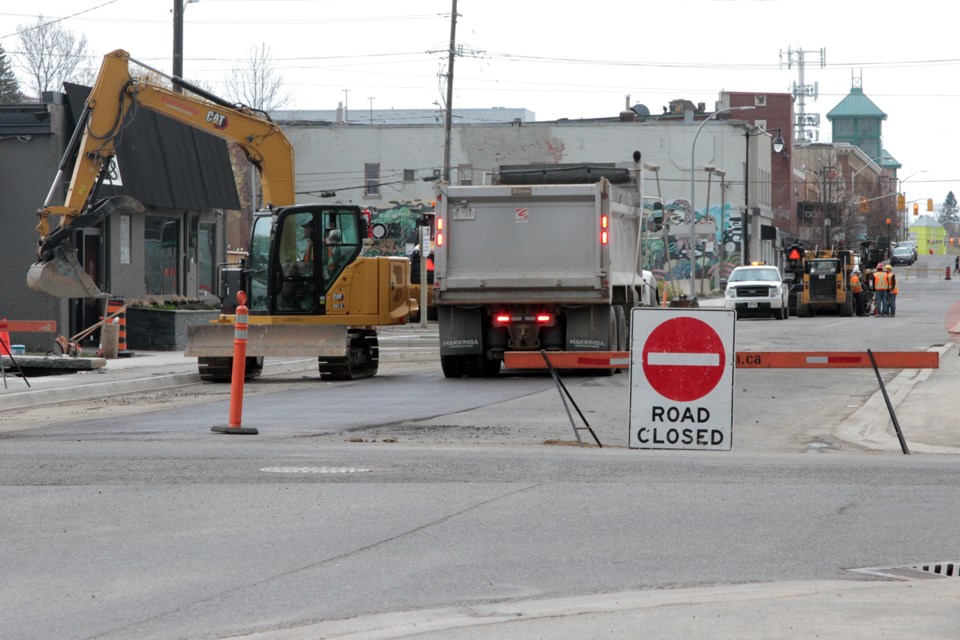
x=561, y=60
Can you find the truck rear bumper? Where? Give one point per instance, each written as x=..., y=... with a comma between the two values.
x=545, y=296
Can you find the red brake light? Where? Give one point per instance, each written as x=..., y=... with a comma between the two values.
x=503, y=318
x=438, y=238
x=604, y=237
x=544, y=318
x=604, y=224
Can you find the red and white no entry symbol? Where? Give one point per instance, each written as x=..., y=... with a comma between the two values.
x=683, y=359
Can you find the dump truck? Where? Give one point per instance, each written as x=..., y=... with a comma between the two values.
x=545, y=257
x=310, y=292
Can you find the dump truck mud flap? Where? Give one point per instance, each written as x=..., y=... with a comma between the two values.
x=461, y=331
x=216, y=340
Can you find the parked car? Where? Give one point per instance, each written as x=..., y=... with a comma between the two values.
x=757, y=289
x=902, y=255
x=913, y=248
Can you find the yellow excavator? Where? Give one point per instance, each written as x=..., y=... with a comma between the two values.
x=309, y=291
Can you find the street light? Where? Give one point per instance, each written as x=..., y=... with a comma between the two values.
x=652, y=166
x=691, y=251
x=778, y=145
x=710, y=169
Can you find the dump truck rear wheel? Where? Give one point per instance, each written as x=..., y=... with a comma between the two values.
x=452, y=366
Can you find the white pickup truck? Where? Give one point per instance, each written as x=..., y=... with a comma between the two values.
x=545, y=258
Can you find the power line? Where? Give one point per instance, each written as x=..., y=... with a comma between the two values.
x=54, y=21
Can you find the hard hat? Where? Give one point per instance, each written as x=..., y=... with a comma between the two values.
x=879, y=265
x=888, y=268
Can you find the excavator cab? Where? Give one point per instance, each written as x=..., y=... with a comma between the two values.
x=297, y=254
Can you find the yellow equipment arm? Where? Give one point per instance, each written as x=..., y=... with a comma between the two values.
x=108, y=108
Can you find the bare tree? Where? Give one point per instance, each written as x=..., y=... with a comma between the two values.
x=255, y=83
x=51, y=55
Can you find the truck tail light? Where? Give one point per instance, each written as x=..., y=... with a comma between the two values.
x=504, y=319
x=604, y=229
x=439, y=236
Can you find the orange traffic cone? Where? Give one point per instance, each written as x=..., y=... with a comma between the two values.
x=4, y=340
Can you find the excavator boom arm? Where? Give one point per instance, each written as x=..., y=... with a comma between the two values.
x=113, y=100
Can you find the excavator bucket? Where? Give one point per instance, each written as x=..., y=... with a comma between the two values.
x=59, y=273
x=62, y=276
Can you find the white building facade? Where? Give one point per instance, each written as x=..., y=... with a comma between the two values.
x=394, y=169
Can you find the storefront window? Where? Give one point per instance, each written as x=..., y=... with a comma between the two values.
x=206, y=260
x=162, y=248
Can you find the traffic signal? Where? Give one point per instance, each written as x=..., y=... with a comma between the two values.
x=916, y=209
x=862, y=205
x=901, y=202
x=794, y=253
x=929, y=204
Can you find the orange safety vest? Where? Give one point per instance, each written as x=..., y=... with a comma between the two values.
x=892, y=284
x=880, y=281
x=855, y=283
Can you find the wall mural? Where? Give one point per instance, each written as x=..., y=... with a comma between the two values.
x=665, y=251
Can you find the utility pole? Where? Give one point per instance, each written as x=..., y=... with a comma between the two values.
x=177, y=41
x=448, y=116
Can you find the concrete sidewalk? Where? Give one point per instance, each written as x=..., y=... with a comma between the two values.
x=826, y=609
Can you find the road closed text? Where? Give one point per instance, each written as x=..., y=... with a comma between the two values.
x=680, y=435
x=671, y=425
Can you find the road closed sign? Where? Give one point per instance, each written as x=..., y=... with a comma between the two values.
x=681, y=379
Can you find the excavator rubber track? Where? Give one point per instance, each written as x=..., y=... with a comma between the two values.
x=221, y=369
x=362, y=361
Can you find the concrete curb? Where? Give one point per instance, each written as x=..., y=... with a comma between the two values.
x=833, y=608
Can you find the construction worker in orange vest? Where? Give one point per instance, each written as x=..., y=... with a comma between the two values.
x=892, y=290
x=857, y=290
x=880, y=286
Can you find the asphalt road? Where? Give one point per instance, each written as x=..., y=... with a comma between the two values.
x=412, y=493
